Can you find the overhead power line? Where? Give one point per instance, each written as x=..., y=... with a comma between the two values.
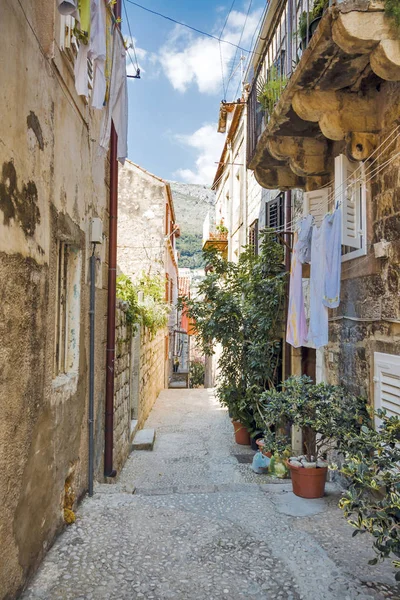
x=220, y=49
x=209, y=35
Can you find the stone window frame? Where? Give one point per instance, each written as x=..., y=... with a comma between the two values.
x=67, y=312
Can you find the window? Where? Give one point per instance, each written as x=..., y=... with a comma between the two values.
x=253, y=237
x=69, y=44
x=316, y=203
x=274, y=213
x=350, y=190
x=66, y=346
x=387, y=383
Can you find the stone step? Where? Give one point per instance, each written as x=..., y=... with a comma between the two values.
x=144, y=439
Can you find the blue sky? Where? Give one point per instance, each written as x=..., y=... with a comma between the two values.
x=173, y=108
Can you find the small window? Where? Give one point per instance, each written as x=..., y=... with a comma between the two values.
x=253, y=237
x=66, y=347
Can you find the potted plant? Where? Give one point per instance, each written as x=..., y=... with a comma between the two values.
x=372, y=502
x=313, y=18
x=326, y=414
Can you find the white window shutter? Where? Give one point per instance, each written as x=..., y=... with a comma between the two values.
x=348, y=190
x=387, y=383
x=316, y=203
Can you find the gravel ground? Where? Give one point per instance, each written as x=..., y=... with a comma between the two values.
x=190, y=520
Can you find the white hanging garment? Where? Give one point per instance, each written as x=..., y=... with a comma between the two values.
x=98, y=51
x=81, y=70
x=318, y=329
x=68, y=7
x=117, y=106
x=296, y=331
x=333, y=249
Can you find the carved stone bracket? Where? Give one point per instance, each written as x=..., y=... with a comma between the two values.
x=370, y=33
x=305, y=155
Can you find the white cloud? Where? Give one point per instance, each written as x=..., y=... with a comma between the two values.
x=188, y=58
x=208, y=143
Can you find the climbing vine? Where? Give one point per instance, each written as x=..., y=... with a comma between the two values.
x=151, y=311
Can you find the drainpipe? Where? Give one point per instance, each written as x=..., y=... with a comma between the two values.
x=288, y=240
x=91, y=368
x=109, y=471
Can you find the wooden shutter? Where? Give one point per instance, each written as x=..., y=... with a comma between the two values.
x=316, y=203
x=348, y=191
x=387, y=383
x=274, y=213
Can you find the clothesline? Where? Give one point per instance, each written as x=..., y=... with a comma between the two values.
x=371, y=173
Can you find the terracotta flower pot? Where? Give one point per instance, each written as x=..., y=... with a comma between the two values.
x=242, y=436
x=261, y=444
x=308, y=483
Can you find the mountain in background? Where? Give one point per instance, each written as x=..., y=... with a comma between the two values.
x=192, y=203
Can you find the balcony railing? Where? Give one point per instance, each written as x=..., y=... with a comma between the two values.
x=288, y=28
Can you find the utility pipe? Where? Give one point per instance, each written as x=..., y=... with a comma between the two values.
x=91, y=368
x=109, y=471
x=288, y=219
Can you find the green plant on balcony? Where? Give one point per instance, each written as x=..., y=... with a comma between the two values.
x=269, y=90
x=392, y=10
x=222, y=229
x=316, y=13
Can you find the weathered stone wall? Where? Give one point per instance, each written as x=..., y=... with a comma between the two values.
x=122, y=388
x=368, y=319
x=52, y=182
x=152, y=371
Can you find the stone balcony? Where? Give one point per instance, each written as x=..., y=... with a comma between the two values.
x=334, y=100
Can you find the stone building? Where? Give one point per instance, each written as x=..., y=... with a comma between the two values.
x=53, y=182
x=332, y=131
x=147, y=232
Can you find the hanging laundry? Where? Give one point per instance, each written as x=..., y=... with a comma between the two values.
x=82, y=30
x=68, y=7
x=109, y=44
x=117, y=106
x=81, y=71
x=98, y=52
x=318, y=330
x=296, y=332
x=333, y=248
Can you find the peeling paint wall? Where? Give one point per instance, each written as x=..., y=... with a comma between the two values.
x=52, y=181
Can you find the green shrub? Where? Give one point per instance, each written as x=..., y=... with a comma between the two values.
x=372, y=502
x=197, y=373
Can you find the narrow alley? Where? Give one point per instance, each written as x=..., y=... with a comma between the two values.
x=190, y=520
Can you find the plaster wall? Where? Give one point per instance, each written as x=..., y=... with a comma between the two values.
x=52, y=182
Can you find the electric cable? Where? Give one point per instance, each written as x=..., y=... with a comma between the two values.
x=209, y=35
x=130, y=33
x=240, y=41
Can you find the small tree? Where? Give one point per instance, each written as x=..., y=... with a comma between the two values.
x=240, y=306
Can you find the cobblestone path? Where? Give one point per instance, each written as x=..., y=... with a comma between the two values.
x=201, y=526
